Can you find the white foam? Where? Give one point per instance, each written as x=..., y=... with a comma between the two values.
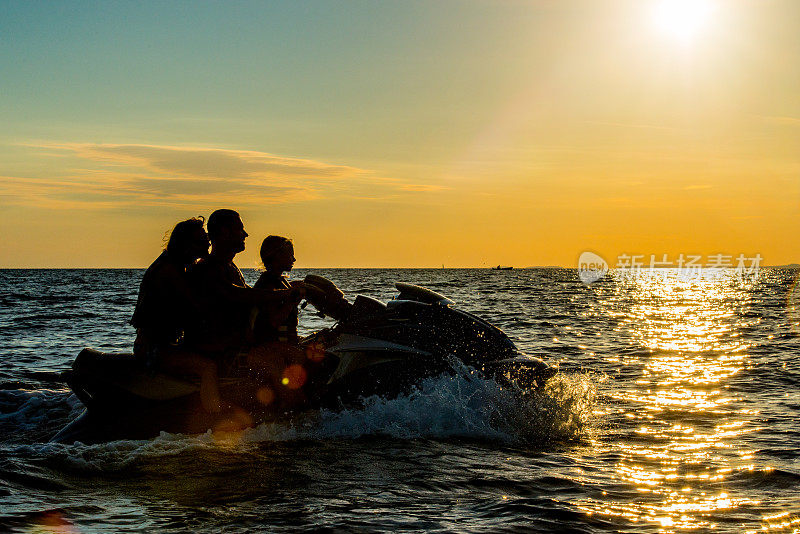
x=460, y=406
x=116, y=455
x=32, y=407
x=463, y=405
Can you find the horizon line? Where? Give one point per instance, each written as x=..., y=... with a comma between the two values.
x=787, y=265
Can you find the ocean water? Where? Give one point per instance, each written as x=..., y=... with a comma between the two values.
x=676, y=408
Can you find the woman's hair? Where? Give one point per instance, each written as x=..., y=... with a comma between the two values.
x=182, y=233
x=271, y=245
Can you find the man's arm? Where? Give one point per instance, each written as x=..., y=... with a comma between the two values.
x=255, y=297
x=232, y=291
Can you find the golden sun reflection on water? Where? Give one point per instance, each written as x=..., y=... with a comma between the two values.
x=670, y=312
x=683, y=440
x=793, y=306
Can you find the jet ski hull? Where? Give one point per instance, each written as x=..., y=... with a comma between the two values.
x=374, y=349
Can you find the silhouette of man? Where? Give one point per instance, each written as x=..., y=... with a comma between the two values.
x=227, y=298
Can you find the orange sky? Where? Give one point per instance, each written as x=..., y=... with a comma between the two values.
x=465, y=133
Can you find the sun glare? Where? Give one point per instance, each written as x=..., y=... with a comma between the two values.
x=682, y=20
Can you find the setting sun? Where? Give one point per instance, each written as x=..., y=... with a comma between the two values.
x=682, y=20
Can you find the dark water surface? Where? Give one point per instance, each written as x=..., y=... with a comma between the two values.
x=677, y=408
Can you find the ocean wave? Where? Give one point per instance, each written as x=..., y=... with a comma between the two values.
x=766, y=478
x=460, y=406
x=446, y=407
x=24, y=409
x=113, y=456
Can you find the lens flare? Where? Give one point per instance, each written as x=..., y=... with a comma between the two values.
x=265, y=396
x=294, y=376
x=228, y=430
x=315, y=352
x=53, y=522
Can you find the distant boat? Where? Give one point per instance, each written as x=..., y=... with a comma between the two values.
x=501, y=268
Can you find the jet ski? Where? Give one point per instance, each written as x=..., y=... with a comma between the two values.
x=374, y=348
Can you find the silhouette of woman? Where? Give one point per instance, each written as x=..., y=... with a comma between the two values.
x=166, y=306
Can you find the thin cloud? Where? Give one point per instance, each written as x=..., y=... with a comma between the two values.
x=636, y=126
x=151, y=175
x=697, y=186
x=63, y=194
x=208, y=163
x=423, y=187
x=123, y=191
x=789, y=121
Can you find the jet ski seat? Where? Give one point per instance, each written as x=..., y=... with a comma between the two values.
x=95, y=373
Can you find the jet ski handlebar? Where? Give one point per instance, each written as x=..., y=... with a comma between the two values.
x=326, y=297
